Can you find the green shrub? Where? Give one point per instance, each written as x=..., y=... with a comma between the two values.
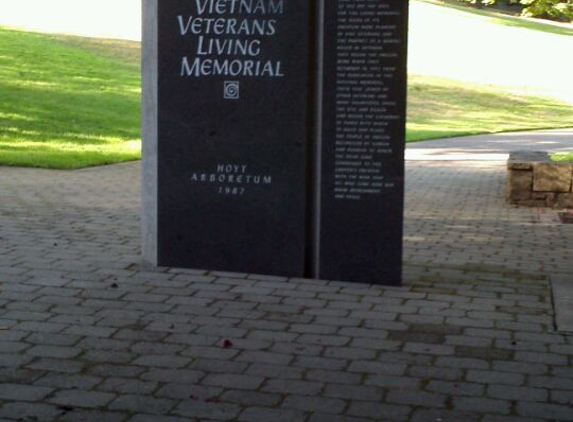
x=562, y=157
x=550, y=9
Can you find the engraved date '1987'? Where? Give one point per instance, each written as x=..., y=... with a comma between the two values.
x=231, y=179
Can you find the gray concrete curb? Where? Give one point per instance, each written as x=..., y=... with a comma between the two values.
x=562, y=289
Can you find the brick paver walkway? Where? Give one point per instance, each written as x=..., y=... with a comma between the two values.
x=89, y=334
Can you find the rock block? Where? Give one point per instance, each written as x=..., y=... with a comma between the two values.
x=551, y=177
x=564, y=200
x=537, y=203
x=523, y=160
x=539, y=195
x=519, y=165
x=519, y=185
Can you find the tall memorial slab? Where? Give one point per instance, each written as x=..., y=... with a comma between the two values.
x=273, y=136
x=362, y=138
x=231, y=106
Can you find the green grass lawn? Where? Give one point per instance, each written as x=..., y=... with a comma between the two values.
x=562, y=157
x=71, y=102
x=439, y=108
x=68, y=102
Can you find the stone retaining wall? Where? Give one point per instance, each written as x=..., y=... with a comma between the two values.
x=535, y=181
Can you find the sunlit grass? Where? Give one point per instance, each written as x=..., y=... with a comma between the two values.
x=439, y=107
x=68, y=102
x=562, y=157
x=71, y=102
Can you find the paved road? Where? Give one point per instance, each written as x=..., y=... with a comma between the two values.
x=491, y=147
x=88, y=333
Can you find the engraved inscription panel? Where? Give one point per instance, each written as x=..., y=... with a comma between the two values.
x=362, y=166
x=367, y=62
x=232, y=118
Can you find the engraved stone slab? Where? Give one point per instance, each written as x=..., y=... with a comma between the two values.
x=274, y=135
x=363, y=138
x=232, y=123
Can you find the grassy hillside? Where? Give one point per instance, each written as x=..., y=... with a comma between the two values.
x=440, y=108
x=71, y=102
x=474, y=71
x=68, y=102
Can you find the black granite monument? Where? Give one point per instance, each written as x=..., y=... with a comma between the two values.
x=274, y=136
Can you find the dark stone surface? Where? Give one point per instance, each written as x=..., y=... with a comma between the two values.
x=254, y=223
x=242, y=132
x=362, y=177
